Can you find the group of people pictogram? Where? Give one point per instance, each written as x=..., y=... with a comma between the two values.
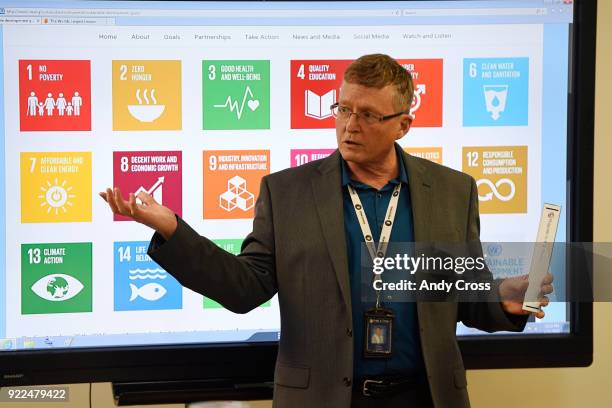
x=47, y=107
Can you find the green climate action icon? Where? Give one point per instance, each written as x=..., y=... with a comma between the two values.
x=56, y=278
x=236, y=94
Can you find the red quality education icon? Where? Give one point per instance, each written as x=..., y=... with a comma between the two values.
x=314, y=88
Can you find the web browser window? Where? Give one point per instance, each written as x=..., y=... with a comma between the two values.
x=194, y=102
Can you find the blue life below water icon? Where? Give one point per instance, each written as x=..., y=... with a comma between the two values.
x=141, y=284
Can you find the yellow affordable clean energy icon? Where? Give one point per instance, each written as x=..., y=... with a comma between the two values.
x=55, y=187
x=56, y=196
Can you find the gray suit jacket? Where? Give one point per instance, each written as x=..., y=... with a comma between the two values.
x=298, y=249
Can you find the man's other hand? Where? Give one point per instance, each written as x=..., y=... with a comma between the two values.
x=512, y=292
x=149, y=212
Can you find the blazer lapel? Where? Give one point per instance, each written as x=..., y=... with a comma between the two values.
x=420, y=197
x=327, y=190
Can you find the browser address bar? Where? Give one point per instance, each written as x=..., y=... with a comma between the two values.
x=30, y=11
x=203, y=13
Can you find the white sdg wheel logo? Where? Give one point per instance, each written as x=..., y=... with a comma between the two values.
x=57, y=287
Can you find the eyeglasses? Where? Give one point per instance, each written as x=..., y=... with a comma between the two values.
x=344, y=113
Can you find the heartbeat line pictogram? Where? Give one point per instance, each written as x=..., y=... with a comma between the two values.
x=233, y=105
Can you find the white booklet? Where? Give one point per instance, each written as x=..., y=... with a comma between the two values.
x=542, y=252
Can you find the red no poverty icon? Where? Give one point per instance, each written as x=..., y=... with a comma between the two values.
x=54, y=95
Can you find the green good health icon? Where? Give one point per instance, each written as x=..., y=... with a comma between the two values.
x=56, y=278
x=236, y=94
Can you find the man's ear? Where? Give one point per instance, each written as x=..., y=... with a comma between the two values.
x=405, y=123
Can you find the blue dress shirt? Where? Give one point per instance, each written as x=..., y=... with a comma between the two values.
x=407, y=358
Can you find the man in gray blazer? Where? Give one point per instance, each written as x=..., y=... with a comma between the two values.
x=305, y=246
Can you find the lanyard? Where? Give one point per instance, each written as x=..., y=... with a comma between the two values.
x=385, y=233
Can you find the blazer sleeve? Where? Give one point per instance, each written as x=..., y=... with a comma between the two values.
x=487, y=315
x=239, y=283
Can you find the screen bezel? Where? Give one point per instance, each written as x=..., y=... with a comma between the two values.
x=254, y=362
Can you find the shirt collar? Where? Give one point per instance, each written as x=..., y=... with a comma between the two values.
x=403, y=175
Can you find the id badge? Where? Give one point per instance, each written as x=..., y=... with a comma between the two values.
x=378, y=333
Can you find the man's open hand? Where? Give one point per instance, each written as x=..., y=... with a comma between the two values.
x=148, y=212
x=512, y=292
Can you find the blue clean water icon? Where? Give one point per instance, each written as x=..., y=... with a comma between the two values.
x=496, y=91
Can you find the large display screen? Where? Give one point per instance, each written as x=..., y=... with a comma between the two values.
x=194, y=102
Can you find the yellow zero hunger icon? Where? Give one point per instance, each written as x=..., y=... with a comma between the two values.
x=146, y=95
